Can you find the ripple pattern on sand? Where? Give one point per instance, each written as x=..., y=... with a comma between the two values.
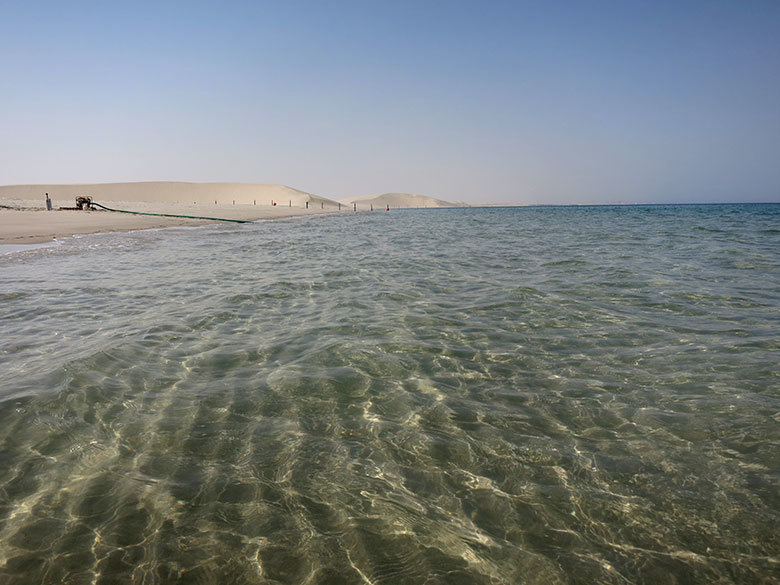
x=497, y=396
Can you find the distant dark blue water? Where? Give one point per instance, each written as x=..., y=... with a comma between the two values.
x=502, y=396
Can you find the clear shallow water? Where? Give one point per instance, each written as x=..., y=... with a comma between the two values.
x=538, y=395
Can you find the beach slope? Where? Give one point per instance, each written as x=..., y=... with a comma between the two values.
x=24, y=219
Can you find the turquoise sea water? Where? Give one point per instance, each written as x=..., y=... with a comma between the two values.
x=487, y=396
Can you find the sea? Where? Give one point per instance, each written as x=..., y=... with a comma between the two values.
x=534, y=395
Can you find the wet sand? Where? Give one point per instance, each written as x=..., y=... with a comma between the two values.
x=27, y=224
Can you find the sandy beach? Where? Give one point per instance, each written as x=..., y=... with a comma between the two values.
x=35, y=226
x=25, y=220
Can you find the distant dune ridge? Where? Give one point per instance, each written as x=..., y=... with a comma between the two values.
x=170, y=192
x=208, y=193
x=399, y=200
x=23, y=219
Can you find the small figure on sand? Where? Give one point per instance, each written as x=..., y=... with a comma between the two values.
x=48, y=202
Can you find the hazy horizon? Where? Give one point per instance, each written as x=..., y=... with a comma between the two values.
x=485, y=103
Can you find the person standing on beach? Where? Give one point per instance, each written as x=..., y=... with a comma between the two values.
x=48, y=202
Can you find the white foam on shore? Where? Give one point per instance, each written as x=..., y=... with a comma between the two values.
x=15, y=248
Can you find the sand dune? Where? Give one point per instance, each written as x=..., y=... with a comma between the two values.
x=23, y=219
x=169, y=192
x=398, y=201
x=27, y=222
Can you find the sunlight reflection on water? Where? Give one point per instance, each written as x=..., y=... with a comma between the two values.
x=536, y=395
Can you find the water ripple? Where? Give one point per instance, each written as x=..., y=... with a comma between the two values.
x=538, y=395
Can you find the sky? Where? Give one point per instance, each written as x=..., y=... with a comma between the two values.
x=482, y=102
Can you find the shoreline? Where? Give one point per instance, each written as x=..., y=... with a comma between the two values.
x=28, y=222
x=25, y=220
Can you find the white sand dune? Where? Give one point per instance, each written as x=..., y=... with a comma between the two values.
x=170, y=192
x=23, y=218
x=398, y=201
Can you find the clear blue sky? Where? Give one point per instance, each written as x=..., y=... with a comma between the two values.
x=524, y=102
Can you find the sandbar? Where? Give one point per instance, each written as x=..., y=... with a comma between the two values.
x=25, y=220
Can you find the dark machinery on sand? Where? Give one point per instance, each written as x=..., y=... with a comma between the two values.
x=83, y=203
